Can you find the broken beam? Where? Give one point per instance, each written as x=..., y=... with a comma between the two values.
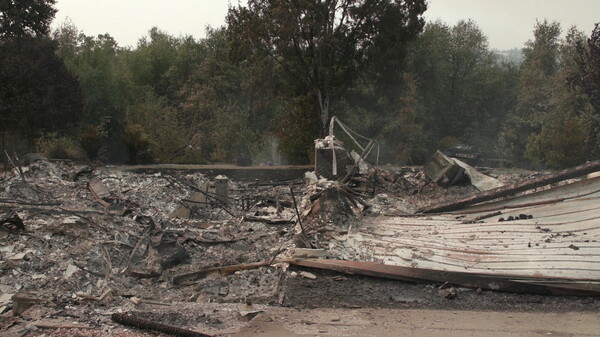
x=144, y=324
x=516, y=284
x=514, y=188
x=190, y=278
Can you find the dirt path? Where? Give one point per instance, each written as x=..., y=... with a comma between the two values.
x=335, y=290
x=395, y=322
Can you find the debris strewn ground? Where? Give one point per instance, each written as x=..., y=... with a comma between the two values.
x=80, y=244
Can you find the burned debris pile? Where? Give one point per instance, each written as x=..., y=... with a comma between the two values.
x=89, y=244
x=85, y=241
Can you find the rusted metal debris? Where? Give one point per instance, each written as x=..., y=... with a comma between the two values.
x=537, y=244
x=333, y=161
x=131, y=320
x=514, y=188
x=442, y=170
x=517, y=284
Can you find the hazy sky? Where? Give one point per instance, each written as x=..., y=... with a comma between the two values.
x=507, y=23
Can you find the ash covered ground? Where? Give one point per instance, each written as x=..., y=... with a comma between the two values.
x=96, y=242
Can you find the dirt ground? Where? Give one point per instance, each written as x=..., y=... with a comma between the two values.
x=415, y=323
x=335, y=290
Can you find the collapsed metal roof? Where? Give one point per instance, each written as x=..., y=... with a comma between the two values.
x=542, y=242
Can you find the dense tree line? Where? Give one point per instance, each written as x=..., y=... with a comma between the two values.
x=36, y=90
x=265, y=85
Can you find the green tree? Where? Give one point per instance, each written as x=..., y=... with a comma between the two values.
x=117, y=83
x=229, y=106
x=587, y=58
x=567, y=135
x=99, y=66
x=25, y=18
x=37, y=92
x=322, y=44
x=150, y=63
x=462, y=90
x=536, y=87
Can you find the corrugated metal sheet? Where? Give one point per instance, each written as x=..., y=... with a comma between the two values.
x=558, y=246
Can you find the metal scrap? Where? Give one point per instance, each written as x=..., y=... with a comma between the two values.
x=515, y=188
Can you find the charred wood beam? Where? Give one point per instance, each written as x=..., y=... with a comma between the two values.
x=28, y=203
x=16, y=165
x=514, y=188
x=144, y=324
x=270, y=221
x=303, y=235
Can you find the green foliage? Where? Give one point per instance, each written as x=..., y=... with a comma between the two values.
x=587, y=78
x=37, y=92
x=25, y=18
x=55, y=146
x=322, y=45
x=138, y=143
x=266, y=85
x=91, y=140
x=402, y=137
x=536, y=88
x=232, y=137
x=541, y=53
x=133, y=87
x=462, y=91
x=566, y=137
x=295, y=129
x=163, y=62
x=188, y=156
x=551, y=121
x=560, y=144
x=230, y=105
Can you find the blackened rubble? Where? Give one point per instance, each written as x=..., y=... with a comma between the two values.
x=94, y=242
x=74, y=246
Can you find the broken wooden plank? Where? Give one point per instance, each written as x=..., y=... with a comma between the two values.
x=99, y=191
x=268, y=220
x=23, y=300
x=216, y=272
x=542, y=286
x=514, y=188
